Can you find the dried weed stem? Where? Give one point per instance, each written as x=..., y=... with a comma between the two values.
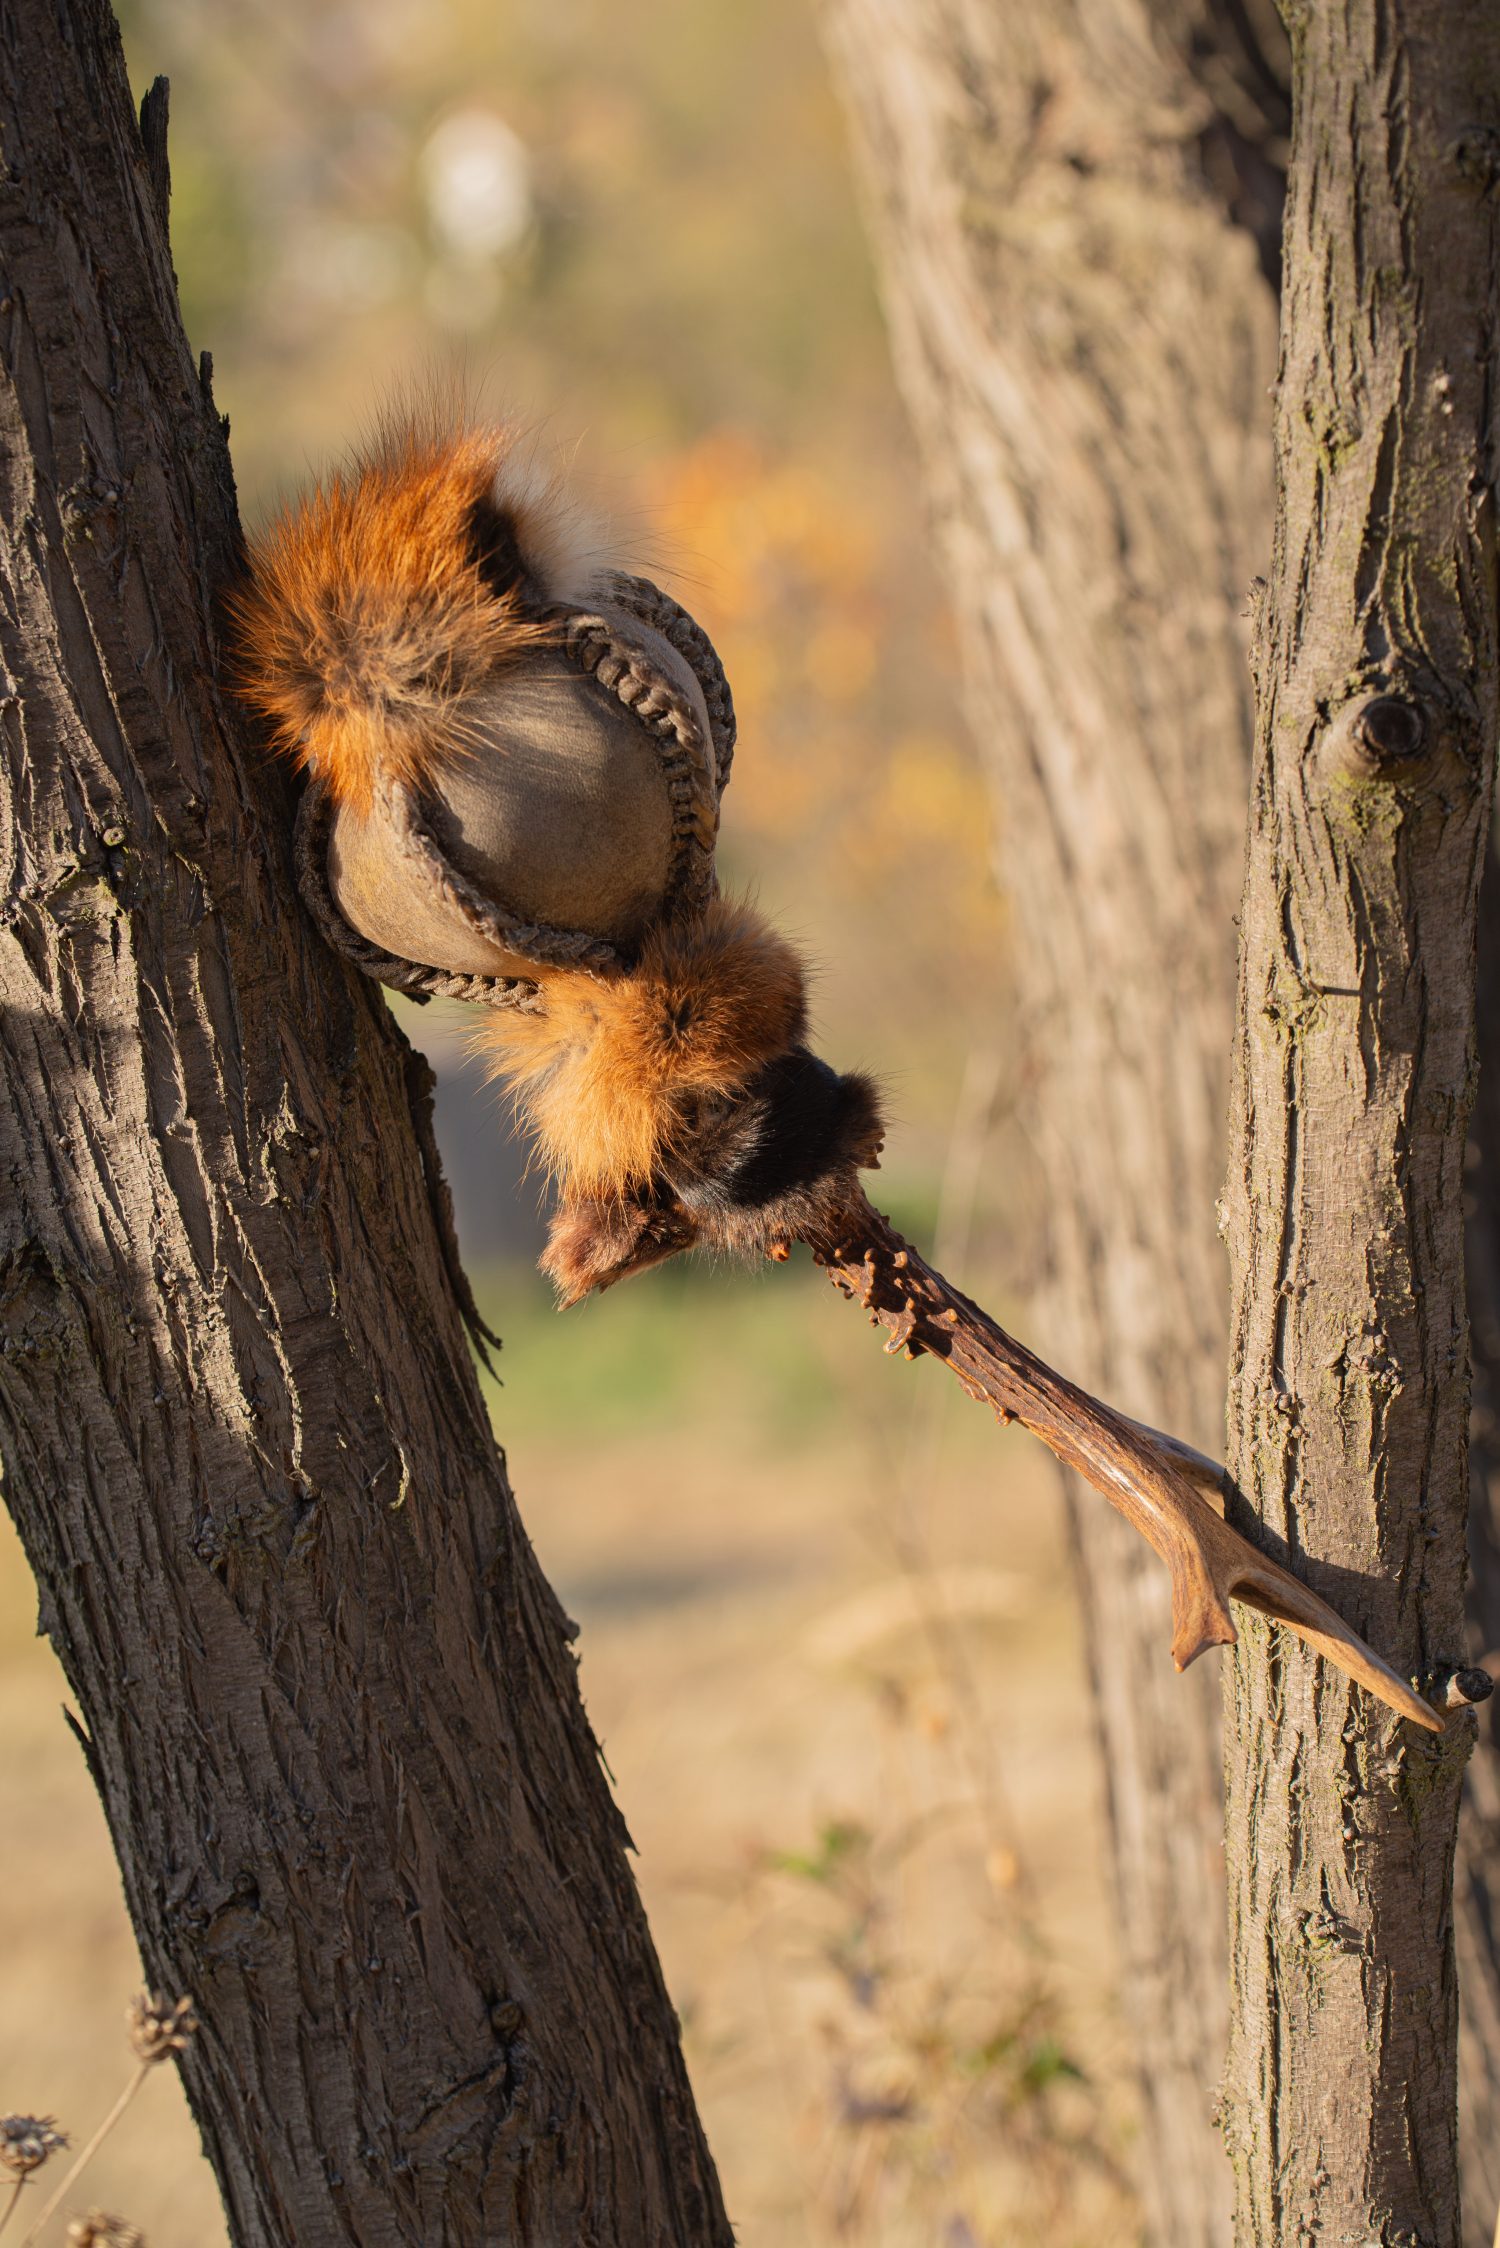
x=88, y=2151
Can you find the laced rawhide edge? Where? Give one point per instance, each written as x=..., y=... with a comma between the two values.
x=624, y=668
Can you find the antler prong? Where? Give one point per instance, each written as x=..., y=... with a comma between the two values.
x=1172, y=1494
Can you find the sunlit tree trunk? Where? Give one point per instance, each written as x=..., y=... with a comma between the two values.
x=1377, y=678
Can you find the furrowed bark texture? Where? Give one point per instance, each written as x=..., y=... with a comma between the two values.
x=1074, y=208
x=1376, y=719
x=1476, y=1894
x=329, y=1700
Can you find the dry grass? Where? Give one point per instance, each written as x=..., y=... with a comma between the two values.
x=829, y=1649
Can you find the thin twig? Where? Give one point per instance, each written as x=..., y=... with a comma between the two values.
x=88, y=2152
x=10, y=2207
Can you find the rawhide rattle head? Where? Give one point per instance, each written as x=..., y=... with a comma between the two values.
x=516, y=759
x=580, y=808
x=516, y=755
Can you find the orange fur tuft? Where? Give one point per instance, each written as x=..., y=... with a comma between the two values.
x=380, y=602
x=610, y=1073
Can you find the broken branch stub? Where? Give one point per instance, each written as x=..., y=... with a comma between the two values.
x=1155, y=1482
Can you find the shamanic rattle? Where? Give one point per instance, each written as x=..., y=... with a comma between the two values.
x=516, y=758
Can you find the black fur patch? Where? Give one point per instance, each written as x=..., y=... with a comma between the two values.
x=796, y=1122
x=496, y=554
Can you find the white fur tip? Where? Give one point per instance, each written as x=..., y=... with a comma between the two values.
x=561, y=542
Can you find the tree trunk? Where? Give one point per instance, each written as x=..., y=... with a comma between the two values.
x=1076, y=210
x=1376, y=727
x=329, y=1701
x=1477, y=1874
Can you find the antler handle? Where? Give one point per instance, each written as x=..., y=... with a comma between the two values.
x=1155, y=1482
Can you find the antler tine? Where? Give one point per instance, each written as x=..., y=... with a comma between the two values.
x=1157, y=1483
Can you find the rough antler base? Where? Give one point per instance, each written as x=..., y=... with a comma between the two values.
x=1156, y=1483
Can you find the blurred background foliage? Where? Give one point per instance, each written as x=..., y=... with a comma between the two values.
x=852, y=1747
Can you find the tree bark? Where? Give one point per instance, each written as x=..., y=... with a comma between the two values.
x=1076, y=210
x=1376, y=728
x=328, y=1699
x=1476, y=1900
